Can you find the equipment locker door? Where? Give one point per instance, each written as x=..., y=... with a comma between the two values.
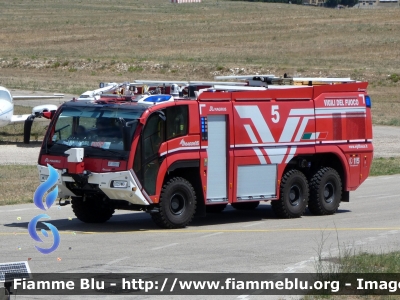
x=216, y=153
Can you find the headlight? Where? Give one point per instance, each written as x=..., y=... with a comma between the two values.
x=119, y=183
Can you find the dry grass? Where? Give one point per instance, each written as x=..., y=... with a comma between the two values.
x=18, y=184
x=385, y=166
x=71, y=46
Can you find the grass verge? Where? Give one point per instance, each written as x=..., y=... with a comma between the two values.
x=371, y=263
x=369, y=267
x=385, y=166
x=17, y=184
x=374, y=270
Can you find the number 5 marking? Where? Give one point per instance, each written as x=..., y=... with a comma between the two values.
x=275, y=113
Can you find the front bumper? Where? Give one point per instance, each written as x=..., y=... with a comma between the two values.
x=130, y=193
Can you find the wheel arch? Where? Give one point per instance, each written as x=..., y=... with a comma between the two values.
x=190, y=170
x=309, y=164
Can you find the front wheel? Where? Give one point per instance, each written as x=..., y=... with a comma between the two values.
x=92, y=210
x=177, y=204
x=293, y=195
x=325, y=192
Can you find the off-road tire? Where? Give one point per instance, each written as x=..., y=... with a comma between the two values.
x=91, y=210
x=215, y=208
x=245, y=205
x=177, y=204
x=325, y=192
x=293, y=195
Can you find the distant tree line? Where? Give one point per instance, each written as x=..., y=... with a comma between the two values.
x=328, y=3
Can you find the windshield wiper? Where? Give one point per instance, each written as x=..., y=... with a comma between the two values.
x=55, y=148
x=58, y=130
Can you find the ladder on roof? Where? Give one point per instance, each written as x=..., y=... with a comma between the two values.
x=320, y=80
x=258, y=80
x=270, y=79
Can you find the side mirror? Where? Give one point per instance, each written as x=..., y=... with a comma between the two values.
x=48, y=114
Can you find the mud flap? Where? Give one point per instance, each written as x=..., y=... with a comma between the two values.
x=201, y=208
x=345, y=196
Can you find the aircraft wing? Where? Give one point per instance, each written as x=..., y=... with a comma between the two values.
x=35, y=112
x=55, y=96
x=19, y=118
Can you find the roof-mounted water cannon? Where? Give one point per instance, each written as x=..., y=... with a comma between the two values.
x=133, y=89
x=174, y=90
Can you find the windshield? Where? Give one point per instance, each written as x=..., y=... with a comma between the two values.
x=99, y=130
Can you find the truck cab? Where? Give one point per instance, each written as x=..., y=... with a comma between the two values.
x=108, y=155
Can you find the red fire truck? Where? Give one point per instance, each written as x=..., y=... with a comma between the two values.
x=303, y=144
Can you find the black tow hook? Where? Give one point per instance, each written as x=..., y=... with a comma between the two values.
x=66, y=202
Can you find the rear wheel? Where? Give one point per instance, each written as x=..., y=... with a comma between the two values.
x=92, y=210
x=177, y=204
x=293, y=195
x=245, y=205
x=325, y=192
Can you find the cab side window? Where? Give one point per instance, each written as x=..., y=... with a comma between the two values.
x=153, y=135
x=177, y=121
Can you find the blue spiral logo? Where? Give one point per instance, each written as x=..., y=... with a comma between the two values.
x=50, y=199
x=44, y=187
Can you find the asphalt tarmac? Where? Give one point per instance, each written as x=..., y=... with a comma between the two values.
x=229, y=242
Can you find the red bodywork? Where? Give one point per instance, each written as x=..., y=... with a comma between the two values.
x=271, y=127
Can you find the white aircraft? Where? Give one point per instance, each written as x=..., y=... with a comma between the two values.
x=94, y=95
x=7, y=108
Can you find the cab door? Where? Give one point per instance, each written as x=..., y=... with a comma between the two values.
x=147, y=163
